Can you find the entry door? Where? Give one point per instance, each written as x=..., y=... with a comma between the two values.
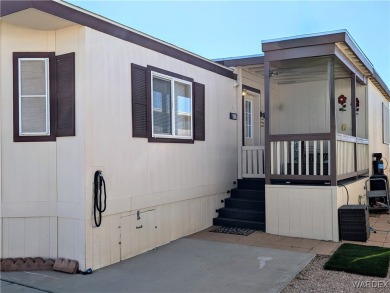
x=249, y=131
x=253, y=120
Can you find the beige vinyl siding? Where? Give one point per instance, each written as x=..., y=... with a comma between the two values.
x=71, y=186
x=28, y=169
x=42, y=185
x=302, y=211
x=173, y=221
x=177, y=178
x=375, y=127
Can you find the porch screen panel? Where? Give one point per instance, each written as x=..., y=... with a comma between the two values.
x=162, y=116
x=361, y=111
x=299, y=96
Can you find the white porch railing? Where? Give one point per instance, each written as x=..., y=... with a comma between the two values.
x=252, y=161
x=300, y=157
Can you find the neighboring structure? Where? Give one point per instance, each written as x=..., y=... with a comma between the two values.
x=80, y=93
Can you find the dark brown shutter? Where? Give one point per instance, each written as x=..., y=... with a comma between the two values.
x=139, y=101
x=65, y=77
x=199, y=111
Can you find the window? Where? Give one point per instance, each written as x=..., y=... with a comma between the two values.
x=172, y=107
x=166, y=107
x=44, y=92
x=34, y=96
x=386, y=123
x=248, y=119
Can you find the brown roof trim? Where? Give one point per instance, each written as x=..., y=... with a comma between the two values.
x=322, y=39
x=303, y=52
x=76, y=16
x=241, y=61
x=9, y=7
x=302, y=42
x=295, y=47
x=381, y=82
x=252, y=89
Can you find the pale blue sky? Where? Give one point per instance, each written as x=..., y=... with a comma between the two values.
x=216, y=29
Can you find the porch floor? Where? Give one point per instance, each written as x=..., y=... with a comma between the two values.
x=380, y=238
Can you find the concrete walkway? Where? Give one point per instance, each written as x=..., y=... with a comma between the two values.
x=185, y=265
x=381, y=238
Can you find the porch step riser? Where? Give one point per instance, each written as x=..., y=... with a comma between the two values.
x=248, y=194
x=254, y=184
x=236, y=203
x=239, y=223
x=241, y=215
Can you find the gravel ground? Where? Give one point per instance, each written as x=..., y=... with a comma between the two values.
x=313, y=278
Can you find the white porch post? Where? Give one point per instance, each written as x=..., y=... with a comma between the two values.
x=238, y=71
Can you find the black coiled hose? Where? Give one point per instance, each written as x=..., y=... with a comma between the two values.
x=98, y=206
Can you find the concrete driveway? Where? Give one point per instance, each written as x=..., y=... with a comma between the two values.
x=185, y=265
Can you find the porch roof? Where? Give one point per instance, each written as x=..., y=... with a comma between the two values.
x=241, y=60
x=339, y=43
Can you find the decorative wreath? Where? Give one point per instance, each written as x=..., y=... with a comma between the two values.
x=357, y=105
x=342, y=100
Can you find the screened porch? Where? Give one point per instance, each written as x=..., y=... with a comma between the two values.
x=317, y=121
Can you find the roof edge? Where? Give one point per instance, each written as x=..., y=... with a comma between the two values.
x=241, y=60
x=326, y=38
x=89, y=19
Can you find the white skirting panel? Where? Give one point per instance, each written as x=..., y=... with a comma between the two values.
x=302, y=211
x=29, y=237
x=125, y=235
x=71, y=239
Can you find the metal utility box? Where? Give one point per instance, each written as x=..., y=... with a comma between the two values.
x=353, y=223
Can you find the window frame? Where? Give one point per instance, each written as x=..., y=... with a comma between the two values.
x=251, y=118
x=172, y=81
x=50, y=97
x=164, y=74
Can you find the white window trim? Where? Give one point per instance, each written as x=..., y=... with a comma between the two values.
x=249, y=135
x=47, y=96
x=173, y=129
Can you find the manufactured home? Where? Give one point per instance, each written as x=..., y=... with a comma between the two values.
x=172, y=133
